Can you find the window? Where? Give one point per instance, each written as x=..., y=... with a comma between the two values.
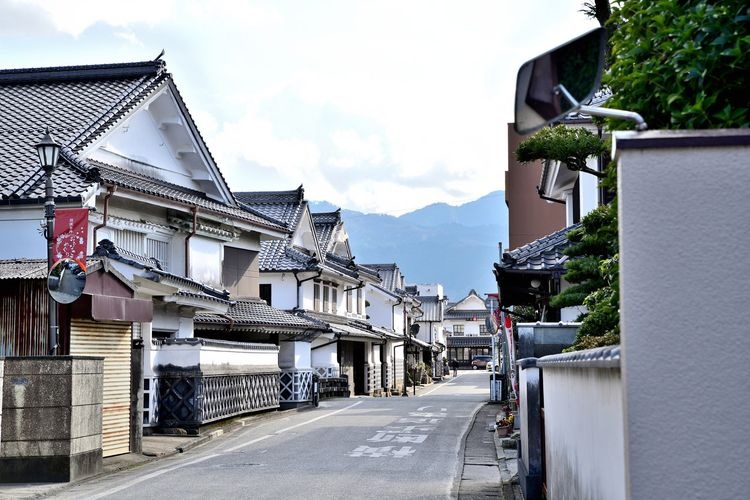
x=316, y=297
x=458, y=330
x=326, y=301
x=143, y=245
x=349, y=301
x=265, y=292
x=334, y=299
x=359, y=301
x=482, y=329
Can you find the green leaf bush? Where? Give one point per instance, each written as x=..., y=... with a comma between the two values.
x=681, y=64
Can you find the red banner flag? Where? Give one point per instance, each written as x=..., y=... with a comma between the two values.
x=71, y=230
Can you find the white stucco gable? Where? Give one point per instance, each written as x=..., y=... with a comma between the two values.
x=339, y=244
x=471, y=302
x=159, y=139
x=304, y=235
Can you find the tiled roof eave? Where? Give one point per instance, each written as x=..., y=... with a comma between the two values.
x=156, y=188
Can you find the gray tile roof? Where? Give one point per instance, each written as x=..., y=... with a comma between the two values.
x=389, y=276
x=156, y=187
x=279, y=255
x=325, y=225
x=478, y=314
x=256, y=313
x=346, y=327
x=78, y=103
x=472, y=341
x=286, y=207
x=544, y=254
x=186, y=286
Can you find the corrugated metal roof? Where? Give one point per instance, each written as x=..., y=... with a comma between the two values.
x=23, y=269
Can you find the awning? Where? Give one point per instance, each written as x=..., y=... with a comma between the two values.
x=387, y=333
x=356, y=333
x=420, y=343
x=109, y=308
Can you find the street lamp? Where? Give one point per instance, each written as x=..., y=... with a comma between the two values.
x=48, y=150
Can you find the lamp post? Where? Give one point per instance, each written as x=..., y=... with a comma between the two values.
x=48, y=150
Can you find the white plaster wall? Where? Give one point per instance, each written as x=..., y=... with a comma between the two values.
x=398, y=319
x=27, y=242
x=205, y=260
x=471, y=328
x=324, y=356
x=307, y=298
x=398, y=364
x=211, y=355
x=684, y=235
x=380, y=310
x=294, y=355
x=588, y=188
x=584, y=438
x=283, y=289
x=430, y=289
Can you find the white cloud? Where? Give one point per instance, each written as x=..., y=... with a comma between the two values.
x=75, y=16
x=129, y=37
x=376, y=106
x=252, y=140
x=353, y=149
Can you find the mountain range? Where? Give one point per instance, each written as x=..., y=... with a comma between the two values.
x=440, y=243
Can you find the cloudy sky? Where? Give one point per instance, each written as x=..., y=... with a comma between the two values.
x=378, y=106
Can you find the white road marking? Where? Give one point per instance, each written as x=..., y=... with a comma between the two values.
x=151, y=475
x=158, y=473
x=292, y=427
x=431, y=391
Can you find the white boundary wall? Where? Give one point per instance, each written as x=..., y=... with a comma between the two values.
x=684, y=239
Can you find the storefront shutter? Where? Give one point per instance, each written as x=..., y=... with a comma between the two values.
x=112, y=341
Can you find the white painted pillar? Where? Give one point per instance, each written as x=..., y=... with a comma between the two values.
x=294, y=355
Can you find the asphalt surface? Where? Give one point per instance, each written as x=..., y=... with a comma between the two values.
x=486, y=471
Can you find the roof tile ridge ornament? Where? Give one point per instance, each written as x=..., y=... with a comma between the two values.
x=90, y=172
x=61, y=74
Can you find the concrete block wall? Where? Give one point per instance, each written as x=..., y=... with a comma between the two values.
x=51, y=430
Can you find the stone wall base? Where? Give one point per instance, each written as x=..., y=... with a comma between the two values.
x=53, y=469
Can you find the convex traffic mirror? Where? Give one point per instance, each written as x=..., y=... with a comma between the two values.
x=66, y=281
x=554, y=84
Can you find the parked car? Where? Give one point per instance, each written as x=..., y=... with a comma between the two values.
x=480, y=361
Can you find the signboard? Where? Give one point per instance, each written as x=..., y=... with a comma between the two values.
x=70, y=237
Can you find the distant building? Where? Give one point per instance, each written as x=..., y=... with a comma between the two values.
x=465, y=324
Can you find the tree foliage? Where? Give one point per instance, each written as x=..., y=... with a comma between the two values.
x=593, y=274
x=570, y=145
x=681, y=63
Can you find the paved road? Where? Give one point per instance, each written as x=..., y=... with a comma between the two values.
x=347, y=448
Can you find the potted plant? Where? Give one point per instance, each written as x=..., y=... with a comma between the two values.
x=504, y=425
